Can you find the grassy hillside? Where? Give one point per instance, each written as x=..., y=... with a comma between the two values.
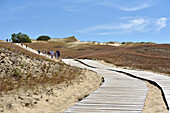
x=20, y=68
x=145, y=56
x=66, y=40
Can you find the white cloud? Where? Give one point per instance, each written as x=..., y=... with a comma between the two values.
x=125, y=5
x=139, y=25
x=131, y=5
x=135, y=8
x=161, y=23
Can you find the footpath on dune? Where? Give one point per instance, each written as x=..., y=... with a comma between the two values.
x=158, y=102
x=54, y=98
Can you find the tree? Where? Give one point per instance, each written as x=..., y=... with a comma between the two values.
x=18, y=38
x=43, y=38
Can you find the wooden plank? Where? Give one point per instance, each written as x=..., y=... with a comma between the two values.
x=162, y=80
x=119, y=93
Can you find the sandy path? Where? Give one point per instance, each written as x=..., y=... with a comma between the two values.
x=154, y=102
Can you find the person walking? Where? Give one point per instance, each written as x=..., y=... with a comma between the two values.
x=39, y=51
x=56, y=55
x=58, y=52
x=52, y=53
x=21, y=43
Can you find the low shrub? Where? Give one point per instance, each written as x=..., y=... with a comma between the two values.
x=43, y=38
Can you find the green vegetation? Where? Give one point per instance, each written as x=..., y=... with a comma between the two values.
x=80, y=98
x=16, y=73
x=43, y=38
x=1, y=50
x=137, y=43
x=18, y=38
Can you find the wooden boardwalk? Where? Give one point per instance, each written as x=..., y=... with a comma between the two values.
x=162, y=81
x=118, y=94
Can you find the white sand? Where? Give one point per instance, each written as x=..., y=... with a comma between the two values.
x=154, y=102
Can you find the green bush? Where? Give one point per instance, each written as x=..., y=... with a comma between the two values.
x=123, y=43
x=1, y=51
x=18, y=38
x=43, y=38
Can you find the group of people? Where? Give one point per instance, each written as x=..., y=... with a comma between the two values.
x=8, y=40
x=53, y=54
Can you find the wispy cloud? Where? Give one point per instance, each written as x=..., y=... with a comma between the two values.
x=139, y=25
x=131, y=5
x=161, y=23
x=135, y=8
x=71, y=8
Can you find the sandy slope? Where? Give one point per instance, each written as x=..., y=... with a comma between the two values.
x=54, y=99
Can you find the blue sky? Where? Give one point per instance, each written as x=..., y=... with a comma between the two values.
x=88, y=20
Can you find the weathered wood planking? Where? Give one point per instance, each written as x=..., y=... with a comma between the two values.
x=161, y=80
x=118, y=94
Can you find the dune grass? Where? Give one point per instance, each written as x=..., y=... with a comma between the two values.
x=145, y=56
x=30, y=82
x=13, y=47
x=16, y=81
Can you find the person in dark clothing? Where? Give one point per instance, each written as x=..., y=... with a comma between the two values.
x=26, y=46
x=48, y=53
x=21, y=43
x=39, y=51
x=58, y=53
